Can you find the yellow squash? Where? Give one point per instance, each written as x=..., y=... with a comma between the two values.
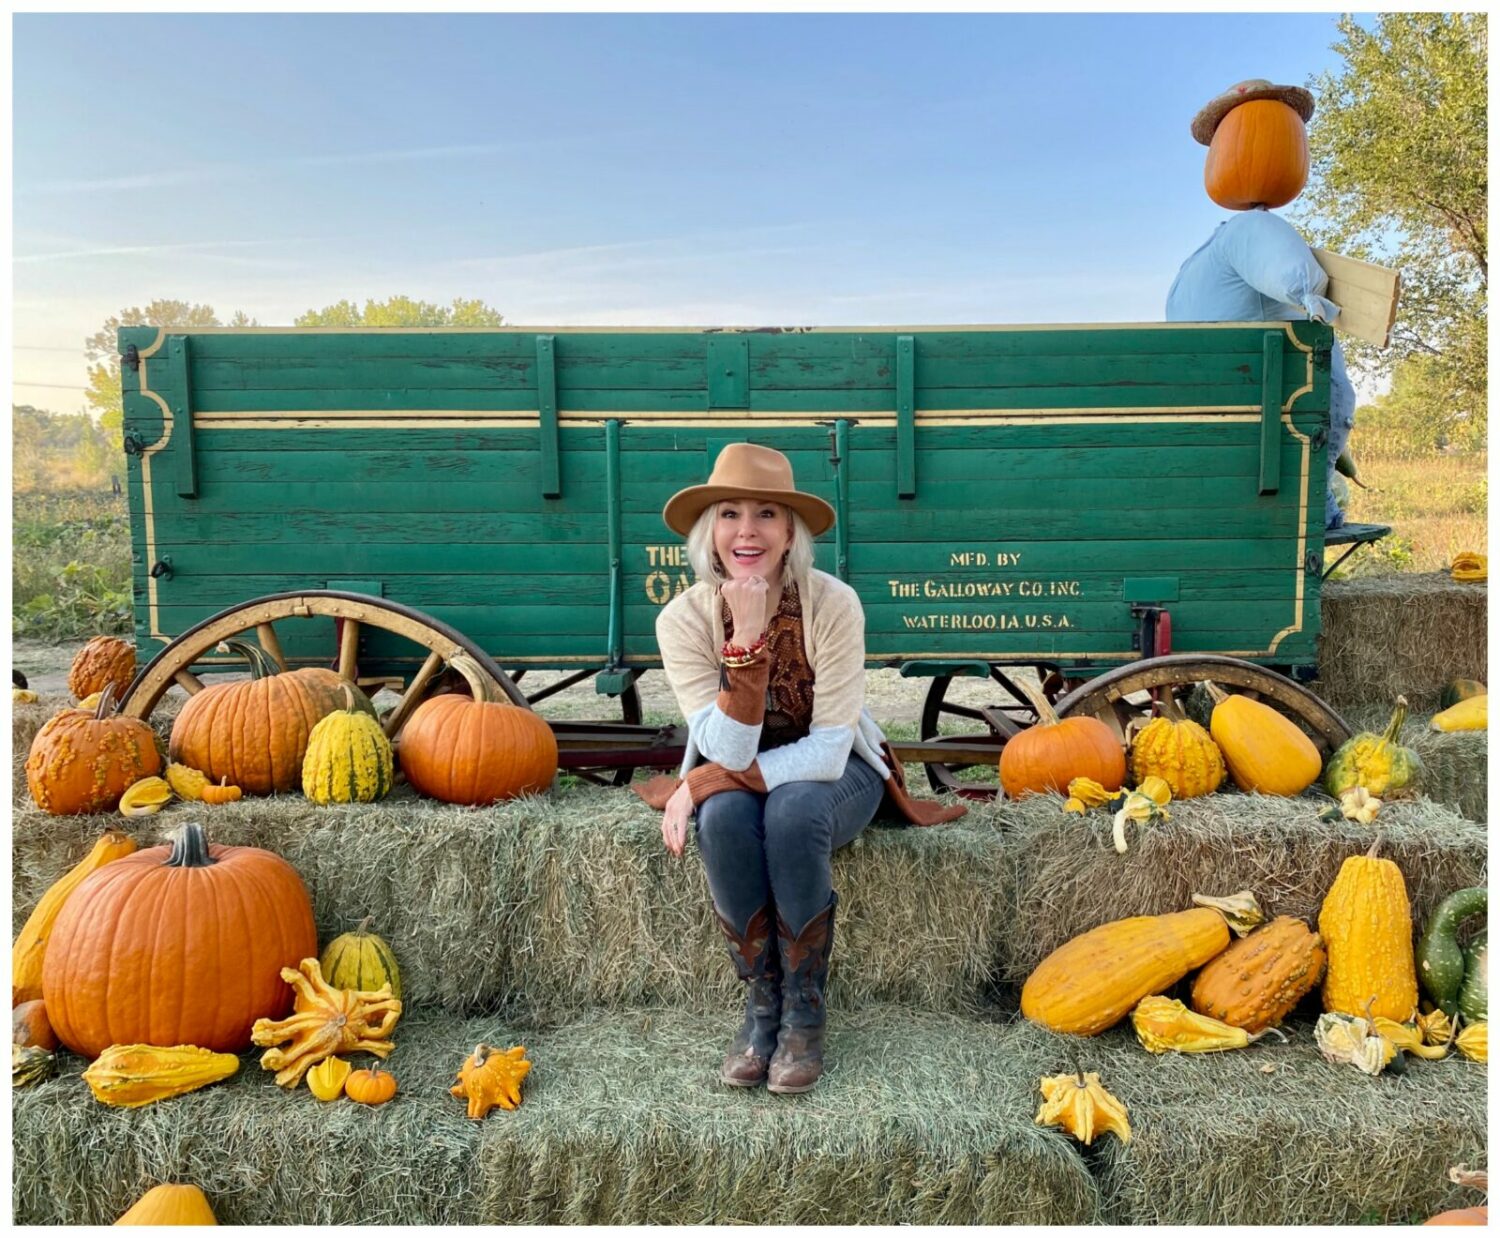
x=1264, y=750
x=1474, y=1042
x=1469, y=715
x=1092, y=982
x=145, y=796
x=129, y=1076
x=30, y=946
x=1366, y=925
x=186, y=782
x=170, y=1204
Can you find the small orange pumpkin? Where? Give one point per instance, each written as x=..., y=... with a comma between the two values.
x=370, y=1087
x=84, y=762
x=1049, y=755
x=1258, y=156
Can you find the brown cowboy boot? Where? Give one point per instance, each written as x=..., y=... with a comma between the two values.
x=798, y=1060
x=756, y=961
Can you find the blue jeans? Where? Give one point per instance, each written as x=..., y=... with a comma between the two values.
x=760, y=849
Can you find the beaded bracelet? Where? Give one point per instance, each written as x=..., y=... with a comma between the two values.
x=737, y=655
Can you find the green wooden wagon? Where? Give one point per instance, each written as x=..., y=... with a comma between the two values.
x=1078, y=500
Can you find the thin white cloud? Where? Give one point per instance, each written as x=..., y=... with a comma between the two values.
x=244, y=171
x=105, y=251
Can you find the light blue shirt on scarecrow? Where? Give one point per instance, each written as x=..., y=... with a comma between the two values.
x=1257, y=268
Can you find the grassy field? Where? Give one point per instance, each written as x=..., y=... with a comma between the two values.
x=70, y=568
x=70, y=564
x=1436, y=506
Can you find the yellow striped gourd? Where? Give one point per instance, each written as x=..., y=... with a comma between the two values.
x=349, y=759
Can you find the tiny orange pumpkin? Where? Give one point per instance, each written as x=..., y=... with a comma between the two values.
x=370, y=1087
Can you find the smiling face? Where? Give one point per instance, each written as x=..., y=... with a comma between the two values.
x=751, y=537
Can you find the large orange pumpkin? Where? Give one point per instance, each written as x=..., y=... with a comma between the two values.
x=105, y=661
x=479, y=750
x=84, y=760
x=179, y=945
x=1258, y=156
x=254, y=732
x=1049, y=755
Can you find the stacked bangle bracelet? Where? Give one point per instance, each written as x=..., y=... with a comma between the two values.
x=738, y=655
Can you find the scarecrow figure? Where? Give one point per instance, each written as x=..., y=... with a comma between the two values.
x=1256, y=267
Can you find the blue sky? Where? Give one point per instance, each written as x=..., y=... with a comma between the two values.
x=647, y=169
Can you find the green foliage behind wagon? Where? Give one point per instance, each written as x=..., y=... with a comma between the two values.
x=70, y=565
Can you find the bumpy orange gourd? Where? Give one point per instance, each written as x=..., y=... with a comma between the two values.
x=83, y=762
x=30, y=948
x=1179, y=752
x=254, y=732
x=1092, y=982
x=1258, y=981
x=479, y=750
x=129, y=1076
x=491, y=1077
x=1264, y=750
x=177, y=945
x=106, y=661
x=1049, y=755
x=170, y=1204
x=370, y=1087
x=1258, y=156
x=1366, y=923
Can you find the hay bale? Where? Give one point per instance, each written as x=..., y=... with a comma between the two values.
x=27, y=720
x=1218, y=1140
x=921, y=1119
x=1387, y=635
x=553, y=905
x=1455, y=764
x=1069, y=878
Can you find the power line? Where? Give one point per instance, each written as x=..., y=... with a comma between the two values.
x=20, y=382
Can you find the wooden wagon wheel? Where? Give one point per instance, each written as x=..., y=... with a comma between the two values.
x=1134, y=692
x=1000, y=723
x=357, y=611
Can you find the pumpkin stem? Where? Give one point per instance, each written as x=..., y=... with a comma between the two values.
x=1045, y=714
x=348, y=696
x=106, y=702
x=1462, y=1175
x=261, y=664
x=1375, y=846
x=1218, y=695
x=364, y=926
x=469, y=669
x=1169, y=707
x=1398, y=720
x=1268, y=1031
x=189, y=849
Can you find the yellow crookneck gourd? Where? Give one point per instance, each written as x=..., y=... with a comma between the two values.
x=1472, y=714
x=1165, y=1025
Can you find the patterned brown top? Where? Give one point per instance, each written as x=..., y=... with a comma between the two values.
x=789, y=692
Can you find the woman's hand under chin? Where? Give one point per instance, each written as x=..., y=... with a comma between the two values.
x=747, y=596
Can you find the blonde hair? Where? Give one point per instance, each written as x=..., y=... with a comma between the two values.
x=700, y=548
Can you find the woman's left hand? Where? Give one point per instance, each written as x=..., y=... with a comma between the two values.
x=674, y=821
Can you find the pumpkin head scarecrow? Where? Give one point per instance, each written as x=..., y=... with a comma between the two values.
x=1256, y=267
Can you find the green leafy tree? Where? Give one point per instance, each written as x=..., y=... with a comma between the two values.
x=102, y=350
x=403, y=312
x=57, y=451
x=1399, y=146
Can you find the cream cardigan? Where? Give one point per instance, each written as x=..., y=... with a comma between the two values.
x=690, y=634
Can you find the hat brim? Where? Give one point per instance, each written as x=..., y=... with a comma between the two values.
x=684, y=507
x=1207, y=120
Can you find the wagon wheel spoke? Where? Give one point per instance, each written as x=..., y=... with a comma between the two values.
x=266, y=634
x=349, y=650
x=189, y=682
x=1107, y=696
x=962, y=711
x=413, y=695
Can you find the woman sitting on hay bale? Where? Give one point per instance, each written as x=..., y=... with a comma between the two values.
x=766, y=657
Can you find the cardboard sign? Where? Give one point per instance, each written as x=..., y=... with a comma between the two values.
x=1366, y=295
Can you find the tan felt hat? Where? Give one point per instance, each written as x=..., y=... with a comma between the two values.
x=1207, y=120
x=743, y=469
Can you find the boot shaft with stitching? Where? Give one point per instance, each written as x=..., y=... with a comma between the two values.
x=758, y=963
x=798, y=1061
